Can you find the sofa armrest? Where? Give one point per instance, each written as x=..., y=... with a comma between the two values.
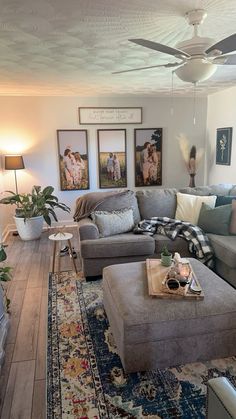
x=87, y=229
x=221, y=399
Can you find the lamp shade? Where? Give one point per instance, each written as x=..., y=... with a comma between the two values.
x=14, y=162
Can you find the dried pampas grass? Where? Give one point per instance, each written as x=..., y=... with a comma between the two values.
x=191, y=156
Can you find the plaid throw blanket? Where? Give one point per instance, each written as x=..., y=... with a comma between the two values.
x=198, y=242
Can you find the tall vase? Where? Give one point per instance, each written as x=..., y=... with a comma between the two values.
x=192, y=180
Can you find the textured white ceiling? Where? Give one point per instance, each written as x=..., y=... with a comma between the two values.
x=58, y=47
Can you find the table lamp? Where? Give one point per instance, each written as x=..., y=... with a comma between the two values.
x=14, y=162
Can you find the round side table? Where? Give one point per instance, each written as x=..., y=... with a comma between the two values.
x=58, y=238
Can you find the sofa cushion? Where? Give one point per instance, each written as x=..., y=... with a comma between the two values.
x=179, y=245
x=224, y=248
x=232, y=225
x=127, y=244
x=114, y=222
x=156, y=203
x=215, y=220
x=198, y=190
x=224, y=200
x=189, y=206
x=221, y=189
x=233, y=190
x=125, y=200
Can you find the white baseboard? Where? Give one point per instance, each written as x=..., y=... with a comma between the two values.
x=62, y=223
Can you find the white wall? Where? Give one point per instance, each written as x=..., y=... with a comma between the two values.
x=221, y=113
x=28, y=125
x=2, y=212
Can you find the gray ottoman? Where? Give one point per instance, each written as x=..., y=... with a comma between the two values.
x=153, y=333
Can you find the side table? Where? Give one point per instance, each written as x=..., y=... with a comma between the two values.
x=58, y=238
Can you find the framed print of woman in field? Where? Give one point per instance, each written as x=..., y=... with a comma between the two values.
x=148, y=156
x=112, y=158
x=73, y=159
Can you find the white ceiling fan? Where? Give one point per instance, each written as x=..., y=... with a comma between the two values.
x=198, y=57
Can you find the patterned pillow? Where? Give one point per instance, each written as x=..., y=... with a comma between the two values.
x=110, y=223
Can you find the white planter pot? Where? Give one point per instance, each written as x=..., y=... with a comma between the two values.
x=29, y=229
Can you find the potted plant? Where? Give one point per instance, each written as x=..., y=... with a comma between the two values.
x=166, y=256
x=32, y=209
x=5, y=275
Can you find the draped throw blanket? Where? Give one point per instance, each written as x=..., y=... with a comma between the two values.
x=87, y=203
x=198, y=242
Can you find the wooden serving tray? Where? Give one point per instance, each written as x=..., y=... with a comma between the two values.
x=156, y=274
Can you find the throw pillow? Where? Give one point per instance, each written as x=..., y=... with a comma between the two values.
x=232, y=225
x=124, y=200
x=215, y=220
x=114, y=222
x=224, y=200
x=189, y=206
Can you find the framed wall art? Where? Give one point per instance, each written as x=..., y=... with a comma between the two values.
x=73, y=159
x=108, y=115
x=148, y=156
x=112, y=158
x=223, y=145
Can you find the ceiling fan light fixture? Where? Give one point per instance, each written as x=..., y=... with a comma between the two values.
x=196, y=70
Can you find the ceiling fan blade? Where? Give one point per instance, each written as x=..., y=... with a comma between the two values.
x=225, y=60
x=160, y=47
x=168, y=65
x=225, y=45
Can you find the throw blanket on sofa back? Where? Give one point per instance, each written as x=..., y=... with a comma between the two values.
x=199, y=244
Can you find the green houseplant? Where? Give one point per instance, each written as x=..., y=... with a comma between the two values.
x=32, y=208
x=5, y=275
x=166, y=256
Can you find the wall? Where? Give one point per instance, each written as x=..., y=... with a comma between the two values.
x=3, y=222
x=221, y=113
x=28, y=125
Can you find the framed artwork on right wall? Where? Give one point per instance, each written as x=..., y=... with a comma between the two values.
x=223, y=145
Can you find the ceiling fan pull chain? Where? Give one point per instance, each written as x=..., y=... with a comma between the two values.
x=194, y=103
x=172, y=94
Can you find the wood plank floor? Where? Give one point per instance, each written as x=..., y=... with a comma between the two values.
x=23, y=376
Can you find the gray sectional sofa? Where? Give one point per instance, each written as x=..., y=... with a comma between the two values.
x=99, y=252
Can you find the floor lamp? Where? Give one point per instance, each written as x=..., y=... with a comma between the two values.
x=15, y=163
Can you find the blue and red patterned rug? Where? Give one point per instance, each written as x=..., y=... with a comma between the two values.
x=85, y=375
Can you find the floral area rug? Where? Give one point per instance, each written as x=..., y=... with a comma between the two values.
x=85, y=375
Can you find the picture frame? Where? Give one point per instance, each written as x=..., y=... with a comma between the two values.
x=73, y=159
x=110, y=115
x=223, y=145
x=148, y=156
x=112, y=159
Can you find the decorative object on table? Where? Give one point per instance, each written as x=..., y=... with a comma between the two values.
x=112, y=158
x=109, y=115
x=148, y=156
x=81, y=349
x=166, y=256
x=165, y=283
x=223, y=145
x=177, y=278
x=32, y=209
x=14, y=162
x=192, y=157
x=73, y=159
